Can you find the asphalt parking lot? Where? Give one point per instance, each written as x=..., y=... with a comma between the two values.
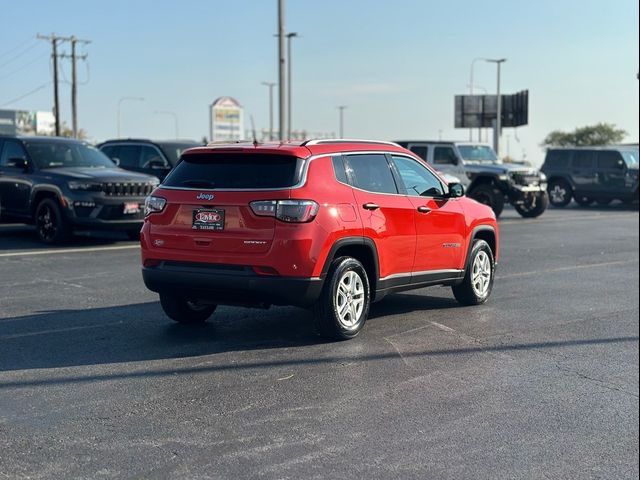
x=541, y=382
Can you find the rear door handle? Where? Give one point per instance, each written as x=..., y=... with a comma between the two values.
x=424, y=209
x=370, y=206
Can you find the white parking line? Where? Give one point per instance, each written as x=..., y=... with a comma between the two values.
x=69, y=250
x=566, y=269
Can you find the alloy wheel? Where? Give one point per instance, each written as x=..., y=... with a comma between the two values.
x=349, y=299
x=481, y=274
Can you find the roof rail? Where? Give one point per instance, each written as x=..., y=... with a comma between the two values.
x=227, y=142
x=322, y=141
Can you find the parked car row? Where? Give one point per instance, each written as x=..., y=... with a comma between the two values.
x=61, y=184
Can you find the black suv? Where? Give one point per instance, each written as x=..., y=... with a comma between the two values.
x=592, y=174
x=61, y=184
x=486, y=179
x=155, y=158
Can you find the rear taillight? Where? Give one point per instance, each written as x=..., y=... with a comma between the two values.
x=153, y=205
x=292, y=211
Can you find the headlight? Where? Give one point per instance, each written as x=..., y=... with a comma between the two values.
x=543, y=177
x=504, y=177
x=153, y=205
x=85, y=186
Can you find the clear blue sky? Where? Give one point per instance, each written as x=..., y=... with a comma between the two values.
x=397, y=65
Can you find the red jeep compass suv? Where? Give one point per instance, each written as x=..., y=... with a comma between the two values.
x=328, y=224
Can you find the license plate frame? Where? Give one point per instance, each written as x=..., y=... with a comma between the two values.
x=211, y=219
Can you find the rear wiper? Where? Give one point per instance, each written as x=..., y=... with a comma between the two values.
x=198, y=183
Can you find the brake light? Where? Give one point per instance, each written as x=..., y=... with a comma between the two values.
x=153, y=205
x=291, y=211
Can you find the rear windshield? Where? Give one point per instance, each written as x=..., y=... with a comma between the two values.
x=235, y=170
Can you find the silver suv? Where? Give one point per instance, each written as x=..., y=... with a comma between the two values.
x=485, y=178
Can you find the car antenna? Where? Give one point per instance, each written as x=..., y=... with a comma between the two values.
x=253, y=131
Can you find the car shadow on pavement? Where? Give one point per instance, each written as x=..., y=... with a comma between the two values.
x=142, y=332
x=23, y=238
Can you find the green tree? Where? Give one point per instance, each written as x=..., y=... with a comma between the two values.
x=599, y=134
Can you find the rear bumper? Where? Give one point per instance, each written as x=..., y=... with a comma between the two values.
x=230, y=284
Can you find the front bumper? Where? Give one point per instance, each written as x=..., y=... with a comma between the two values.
x=230, y=284
x=98, y=212
x=521, y=193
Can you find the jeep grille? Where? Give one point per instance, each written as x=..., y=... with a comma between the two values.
x=127, y=189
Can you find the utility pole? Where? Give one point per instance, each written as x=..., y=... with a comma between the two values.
x=281, y=68
x=498, y=131
x=270, y=85
x=74, y=81
x=289, y=116
x=54, y=39
x=341, y=124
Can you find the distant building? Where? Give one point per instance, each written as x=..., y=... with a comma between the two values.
x=22, y=122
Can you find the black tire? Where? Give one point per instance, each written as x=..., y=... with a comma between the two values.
x=490, y=196
x=535, y=208
x=465, y=292
x=604, y=201
x=583, y=201
x=560, y=192
x=51, y=226
x=329, y=321
x=185, y=311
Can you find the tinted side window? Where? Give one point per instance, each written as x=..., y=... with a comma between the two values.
x=128, y=155
x=417, y=179
x=558, y=159
x=371, y=173
x=338, y=169
x=149, y=155
x=109, y=150
x=582, y=159
x=609, y=160
x=420, y=150
x=444, y=156
x=12, y=150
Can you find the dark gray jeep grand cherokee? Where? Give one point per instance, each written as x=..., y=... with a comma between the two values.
x=60, y=185
x=484, y=177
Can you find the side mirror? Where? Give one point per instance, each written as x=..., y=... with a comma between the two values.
x=158, y=165
x=116, y=160
x=20, y=163
x=456, y=190
x=621, y=164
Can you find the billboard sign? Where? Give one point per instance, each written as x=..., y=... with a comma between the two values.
x=22, y=122
x=226, y=119
x=480, y=111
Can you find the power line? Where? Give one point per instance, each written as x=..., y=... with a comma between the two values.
x=15, y=57
x=17, y=47
x=31, y=92
x=19, y=69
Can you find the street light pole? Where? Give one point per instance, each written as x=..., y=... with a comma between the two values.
x=175, y=120
x=270, y=85
x=281, y=65
x=341, y=124
x=289, y=116
x=498, y=131
x=473, y=62
x=139, y=99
